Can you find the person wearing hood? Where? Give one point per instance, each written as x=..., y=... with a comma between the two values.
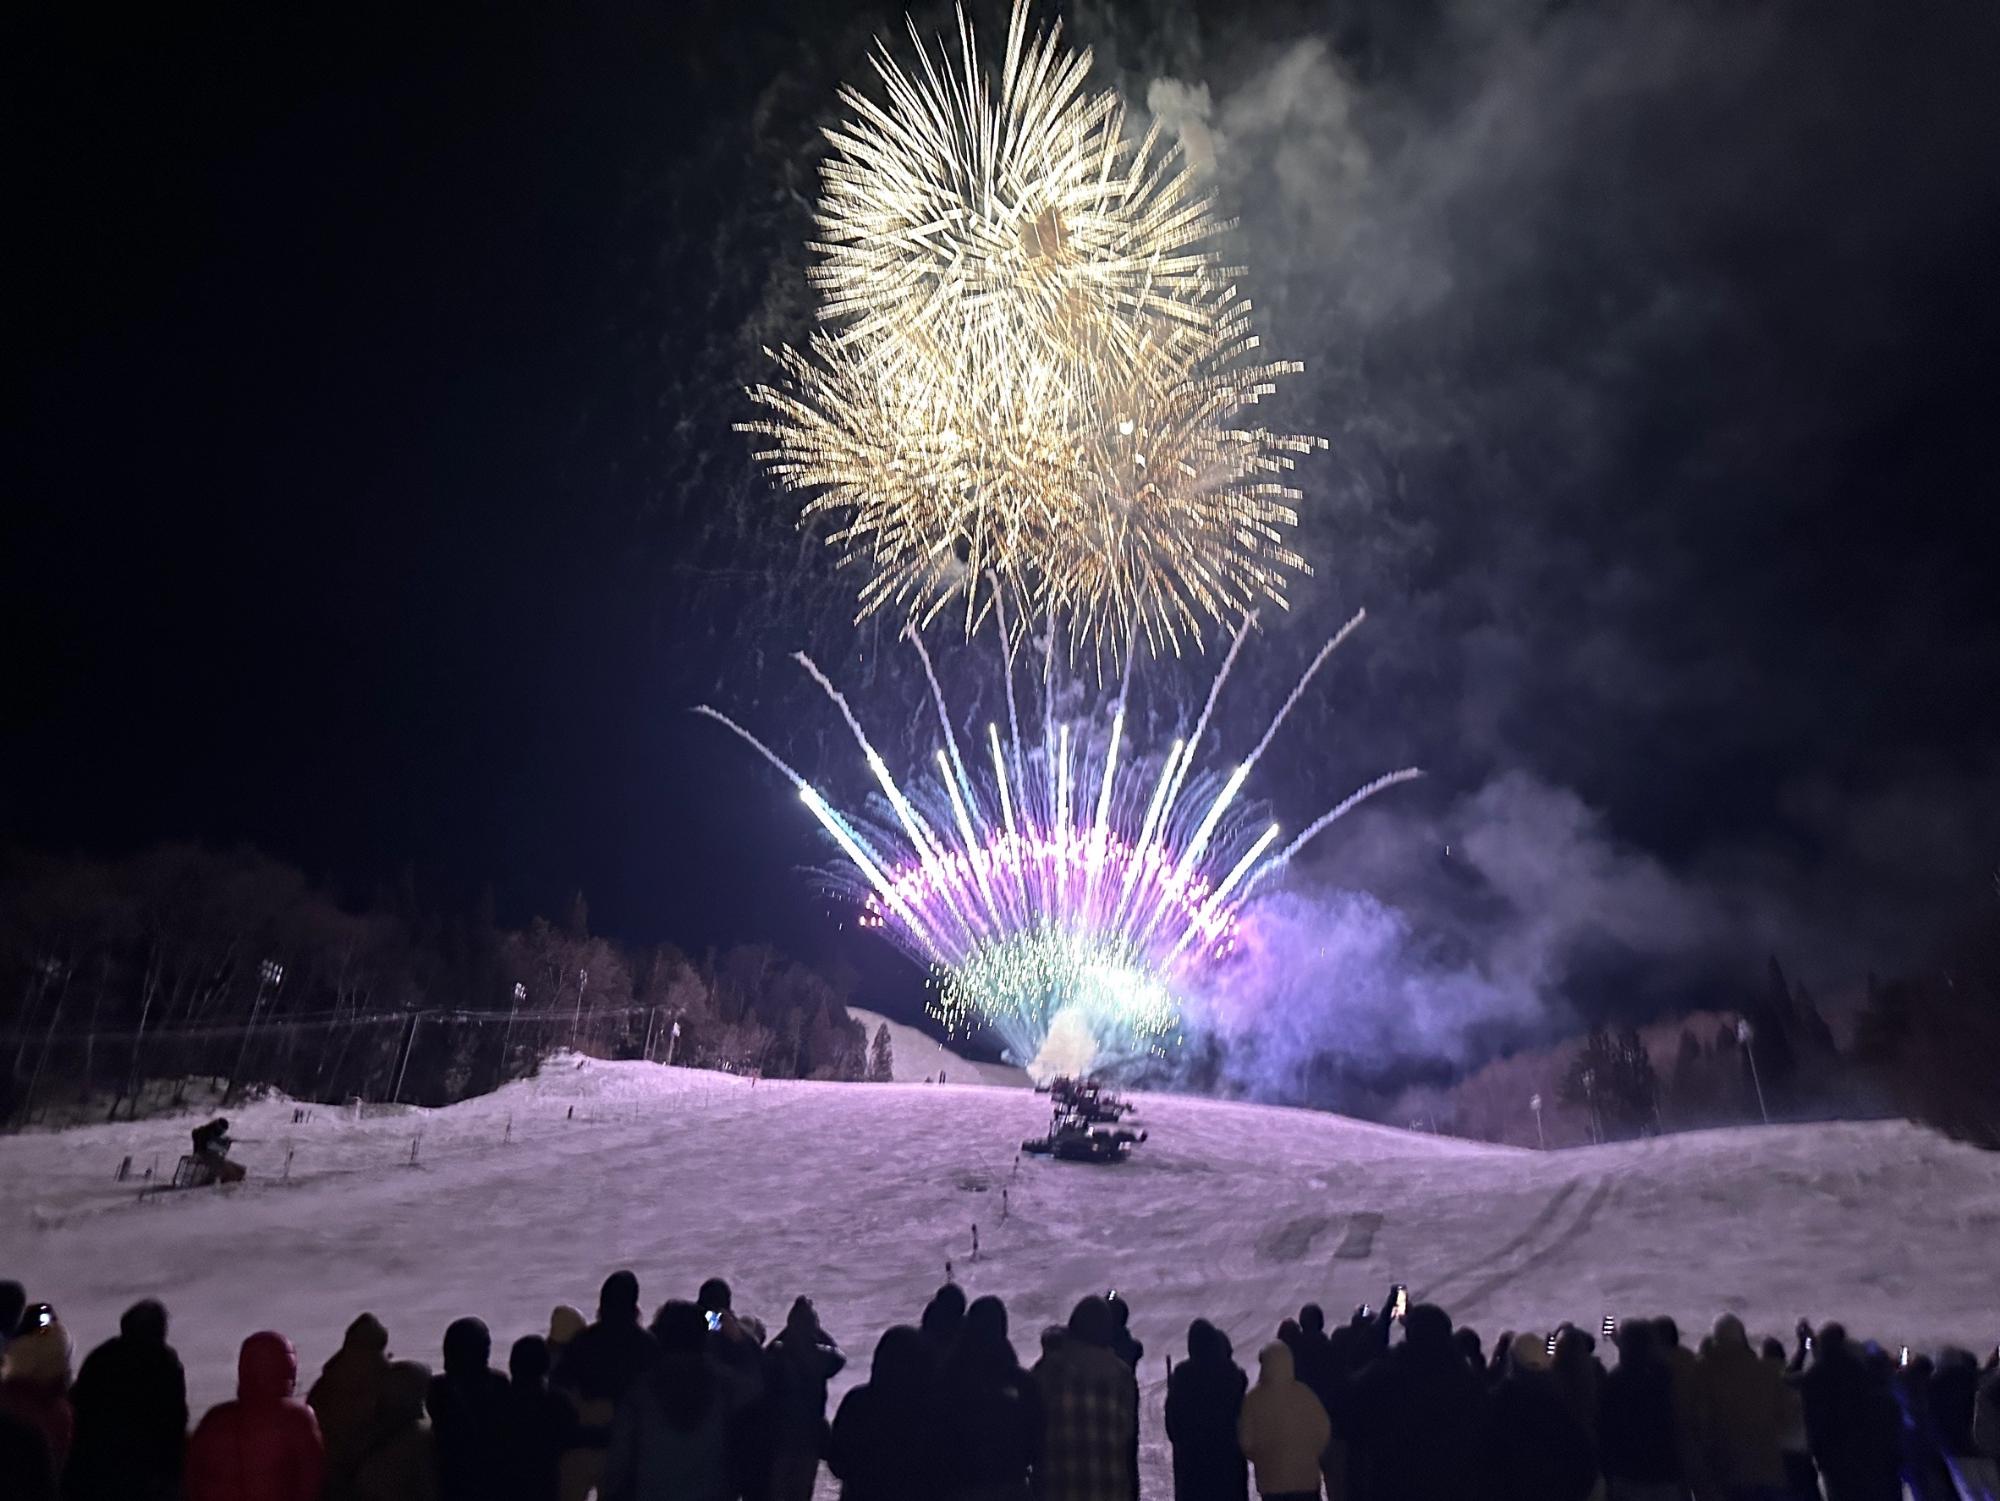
x=1283, y=1430
x=1539, y=1450
x=565, y=1324
x=130, y=1401
x=670, y=1440
x=264, y=1445
x=1204, y=1401
x=468, y=1408
x=35, y=1377
x=797, y=1366
x=594, y=1370
x=1744, y=1399
x=1417, y=1416
x=1090, y=1407
x=401, y=1460
x=347, y=1399
x=887, y=1442
x=992, y=1410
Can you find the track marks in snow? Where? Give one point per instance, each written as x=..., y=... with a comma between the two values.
x=1548, y=1235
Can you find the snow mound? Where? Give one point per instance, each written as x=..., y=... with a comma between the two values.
x=862, y=1193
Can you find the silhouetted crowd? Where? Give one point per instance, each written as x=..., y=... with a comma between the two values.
x=699, y=1405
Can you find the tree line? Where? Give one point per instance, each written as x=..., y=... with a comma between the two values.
x=1925, y=1046
x=145, y=979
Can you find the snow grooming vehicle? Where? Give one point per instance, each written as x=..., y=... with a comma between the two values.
x=1087, y=1124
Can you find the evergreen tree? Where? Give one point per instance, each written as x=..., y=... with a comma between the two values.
x=881, y=1058
x=1689, y=1084
x=1613, y=1078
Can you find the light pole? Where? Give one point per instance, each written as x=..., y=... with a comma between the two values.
x=513, y=1010
x=673, y=1036
x=1745, y=1034
x=1541, y=1139
x=1590, y=1094
x=576, y=1022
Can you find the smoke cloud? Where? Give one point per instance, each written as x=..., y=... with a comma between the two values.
x=1617, y=317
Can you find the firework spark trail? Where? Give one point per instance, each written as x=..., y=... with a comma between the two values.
x=1243, y=630
x=844, y=834
x=1071, y=884
x=1329, y=818
x=1305, y=679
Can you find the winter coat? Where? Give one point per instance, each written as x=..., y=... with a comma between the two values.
x=34, y=1386
x=400, y=1462
x=25, y=1460
x=130, y=1402
x=887, y=1442
x=1283, y=1430
x=1690, y=1414
x=1636, y=1439
x=1854, y=1428
x=1539, y=1450
x=265, y=1445
x=993, y=1417
x=1090, y=1436
x=797, y=1367
x=602, y=1362
x=347, y=1399
x=468, y=1411
x=402, y=1467
x=1743, y=1396
x=538, y=1427
x=655, y=1457
x=1312, y=1362
x=1204, y=1401
x=1417, y=1418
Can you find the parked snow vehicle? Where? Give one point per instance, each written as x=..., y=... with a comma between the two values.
x=1087, y=1124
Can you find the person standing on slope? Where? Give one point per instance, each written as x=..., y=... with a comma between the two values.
x=468, y=1408
x=1283, y=1430
x=888, y=1441
x=594, y=1370
x=797, y=1366
x=1744, y=1399
x=130, y=1401
x=264, y=1445
x=347, y=1400
x=1090, y=1406
x=992, y=1410
x=34, y=1380
x=1539, y=1450
x=1204, y=1401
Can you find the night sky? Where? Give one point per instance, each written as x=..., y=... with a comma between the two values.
x=372, y=496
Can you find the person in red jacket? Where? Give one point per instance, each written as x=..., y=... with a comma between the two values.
x=264, y=1446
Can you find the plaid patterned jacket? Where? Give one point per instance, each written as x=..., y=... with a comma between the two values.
x=1090, y=1400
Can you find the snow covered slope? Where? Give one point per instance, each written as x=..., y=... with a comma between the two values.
x=860, y=1194
x=915, y=1056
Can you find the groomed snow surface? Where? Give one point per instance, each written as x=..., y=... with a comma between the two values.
x=860, y=1194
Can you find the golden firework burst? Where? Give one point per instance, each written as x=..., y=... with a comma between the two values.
x=1032, y=376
